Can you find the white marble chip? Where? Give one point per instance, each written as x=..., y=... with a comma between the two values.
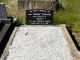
x=39, y=43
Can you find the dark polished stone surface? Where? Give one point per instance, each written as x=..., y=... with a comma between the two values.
x=39, y=17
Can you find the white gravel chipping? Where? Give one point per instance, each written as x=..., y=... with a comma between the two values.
x=39, y=43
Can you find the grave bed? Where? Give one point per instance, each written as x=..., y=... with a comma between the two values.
x=67, y=36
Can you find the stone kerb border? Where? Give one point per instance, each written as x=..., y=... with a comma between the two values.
x=5, y=53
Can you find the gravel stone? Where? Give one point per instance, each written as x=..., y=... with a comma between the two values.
x=39, y=43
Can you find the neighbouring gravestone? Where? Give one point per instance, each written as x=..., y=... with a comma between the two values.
x=39, y=17
x=6, y=27
x=3, y=13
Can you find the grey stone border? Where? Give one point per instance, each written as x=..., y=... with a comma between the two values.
x=5, y=53
x=73, y=50
x=3, y=31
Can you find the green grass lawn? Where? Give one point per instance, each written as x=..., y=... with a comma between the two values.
x=71, y=15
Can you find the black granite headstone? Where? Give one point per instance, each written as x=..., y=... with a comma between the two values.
x=39, y=17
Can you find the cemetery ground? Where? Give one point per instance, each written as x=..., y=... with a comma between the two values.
x=70, y=17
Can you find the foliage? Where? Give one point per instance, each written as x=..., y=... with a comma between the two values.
x=71, y=15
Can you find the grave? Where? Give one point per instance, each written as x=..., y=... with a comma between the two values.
x=6, y=27
x=39, y=17
x=41, y=43
x=35, y=42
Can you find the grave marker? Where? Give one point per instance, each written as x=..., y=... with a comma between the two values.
x=39, y=17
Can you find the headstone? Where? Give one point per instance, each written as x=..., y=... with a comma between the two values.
x=3, y=13
x=39, y=17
